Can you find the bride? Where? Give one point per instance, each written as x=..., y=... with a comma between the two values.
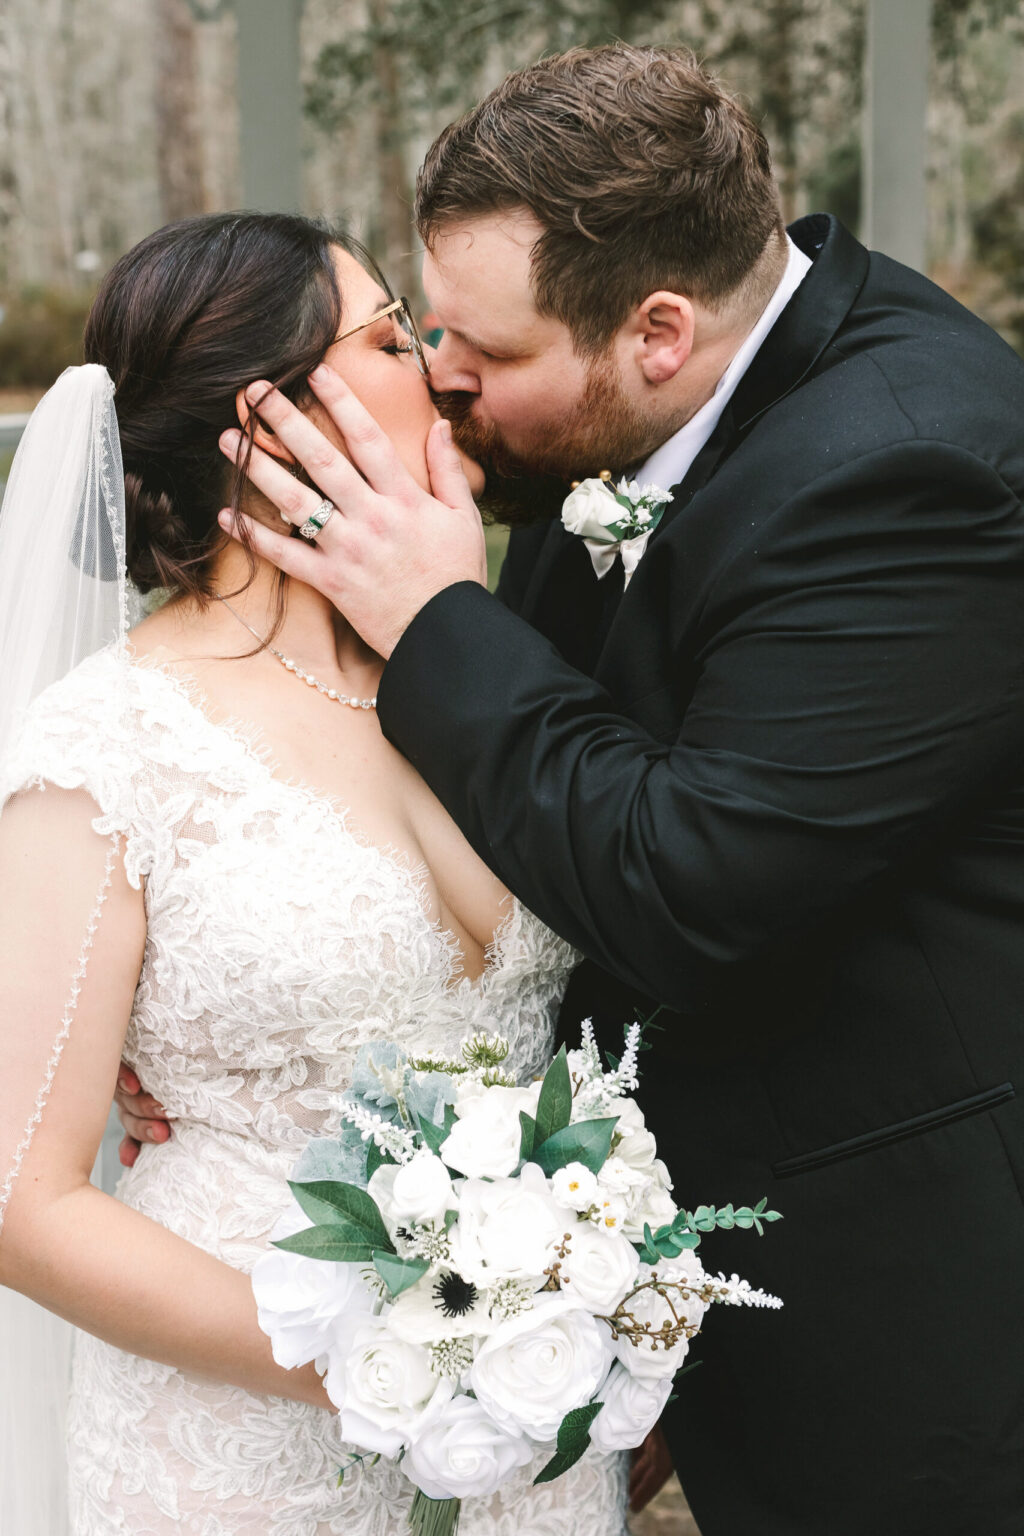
x=215, y=865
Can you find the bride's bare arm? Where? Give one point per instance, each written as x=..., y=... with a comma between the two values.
x=104, y=1267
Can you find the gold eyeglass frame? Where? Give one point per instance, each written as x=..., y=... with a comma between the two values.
x=413, y=332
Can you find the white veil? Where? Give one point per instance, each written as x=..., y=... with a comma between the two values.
x=63, y=595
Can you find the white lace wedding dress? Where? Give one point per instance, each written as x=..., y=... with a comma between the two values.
x=279, y=941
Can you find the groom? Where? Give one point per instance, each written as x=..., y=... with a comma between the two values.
x=774, y=786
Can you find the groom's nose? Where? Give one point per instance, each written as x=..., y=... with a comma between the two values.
x=451, y=369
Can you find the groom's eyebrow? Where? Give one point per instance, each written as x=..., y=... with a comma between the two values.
x=473, y=341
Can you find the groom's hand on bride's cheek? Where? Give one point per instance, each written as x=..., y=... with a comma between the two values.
x=391, y=546
x=141, y=1116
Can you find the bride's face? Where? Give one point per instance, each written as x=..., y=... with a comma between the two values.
x=378, y=365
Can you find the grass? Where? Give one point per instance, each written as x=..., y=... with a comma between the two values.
x=497, y=539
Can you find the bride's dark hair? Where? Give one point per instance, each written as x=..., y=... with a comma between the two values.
x=182, y=322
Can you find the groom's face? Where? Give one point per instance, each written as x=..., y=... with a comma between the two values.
x=520, y=397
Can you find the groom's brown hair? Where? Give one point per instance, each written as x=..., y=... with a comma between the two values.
x=643, y=172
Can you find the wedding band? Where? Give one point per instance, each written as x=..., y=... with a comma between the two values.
x=318, y=520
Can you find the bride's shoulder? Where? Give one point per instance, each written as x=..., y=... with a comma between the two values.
x=82, y=729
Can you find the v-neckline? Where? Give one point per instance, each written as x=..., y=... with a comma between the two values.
x=249, y=740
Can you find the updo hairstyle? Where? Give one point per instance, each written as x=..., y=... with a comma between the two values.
x=191, y=315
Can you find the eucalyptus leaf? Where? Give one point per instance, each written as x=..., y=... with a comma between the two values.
x=587, y=1142
x=528, y=1136
x=398, y=1274
x=554, y=1107
x=335, y=1244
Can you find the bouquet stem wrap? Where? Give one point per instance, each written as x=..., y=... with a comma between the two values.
x=434, y=1517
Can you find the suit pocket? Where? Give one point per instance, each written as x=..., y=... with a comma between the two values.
x=917, y=1126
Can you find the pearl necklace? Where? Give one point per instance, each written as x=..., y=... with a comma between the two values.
x=292, y=666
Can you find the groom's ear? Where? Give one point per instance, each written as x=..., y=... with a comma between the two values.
x=664, y=328
x=262, y=436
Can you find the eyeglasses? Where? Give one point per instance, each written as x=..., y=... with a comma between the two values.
x=406, y=324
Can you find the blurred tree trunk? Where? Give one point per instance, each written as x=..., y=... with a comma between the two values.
x=394, y=192
x=780, y=45
x=178, y=141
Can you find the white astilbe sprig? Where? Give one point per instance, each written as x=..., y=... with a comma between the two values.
x=625, y=1077
x=394, y=1139
x=735, y=1292
x=595, y=1089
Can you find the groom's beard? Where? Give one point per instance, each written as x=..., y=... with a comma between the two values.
x=603, y=430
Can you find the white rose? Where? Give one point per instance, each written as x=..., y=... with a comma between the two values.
x=381, y=1189
x=630, y=1115
x=460, y=1453
x=632, y=1407
x=638, y=1150
x=657, y=1209
x=300, y=1302
x=507, y=1228
x=574, y=1186
x=536, y=1367
x=600, y=1267
x=484, y=1141
x=422, y=1189
x=644, y=1359
x=662, y=1175
x=381, y=1386
x=591, y=509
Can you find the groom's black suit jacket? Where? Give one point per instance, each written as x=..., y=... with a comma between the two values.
x=778, y=787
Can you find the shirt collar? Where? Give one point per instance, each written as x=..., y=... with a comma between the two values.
x=669, y=464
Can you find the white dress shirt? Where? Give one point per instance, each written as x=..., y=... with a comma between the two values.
x=670, y=463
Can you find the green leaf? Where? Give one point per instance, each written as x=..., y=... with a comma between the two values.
x=577, y=1422
x=348, y=1201
x=554, y=1107
x=573, y=1439
x=588, y=1142
x=398, y=1274
x=559, y=1463
x=376, y=1158
x=528, y=1135
x=433, y=1135
x=337, y=1244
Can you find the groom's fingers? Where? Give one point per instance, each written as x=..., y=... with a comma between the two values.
x=371, y=449
x=444, y=465
x=294, y=500
x=296, y=557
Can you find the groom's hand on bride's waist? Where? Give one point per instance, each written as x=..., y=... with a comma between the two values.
x=391, y=546
x=140, y=1114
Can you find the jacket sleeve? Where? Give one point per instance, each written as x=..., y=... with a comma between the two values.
x=859, y=685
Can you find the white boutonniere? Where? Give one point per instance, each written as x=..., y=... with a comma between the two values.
x=614, y=519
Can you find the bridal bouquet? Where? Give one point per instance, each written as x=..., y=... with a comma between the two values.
x=490, y=1268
